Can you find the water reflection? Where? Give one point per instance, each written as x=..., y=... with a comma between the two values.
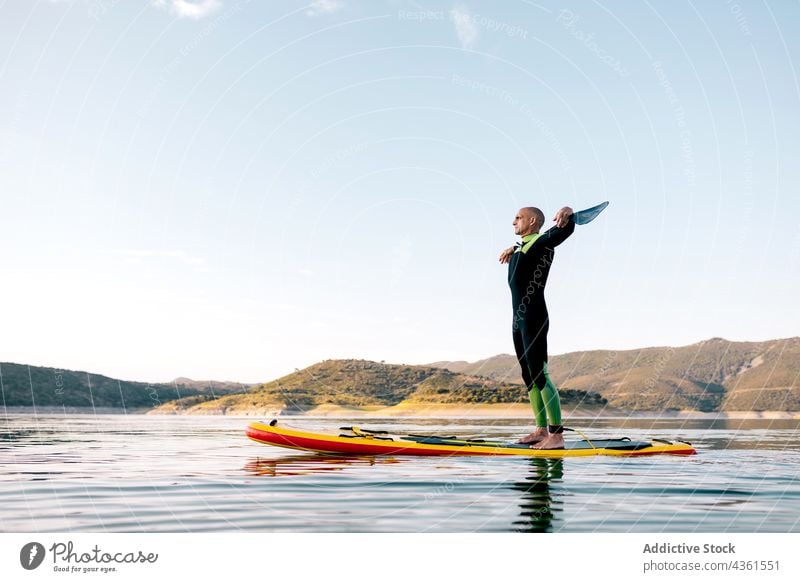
x=538, y=509
x=306, y=464
x=8, y=435
x=163, y=474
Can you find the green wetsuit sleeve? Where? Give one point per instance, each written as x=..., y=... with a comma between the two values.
x=553, y=237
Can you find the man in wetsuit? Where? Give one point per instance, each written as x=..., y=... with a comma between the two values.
x=528, y=267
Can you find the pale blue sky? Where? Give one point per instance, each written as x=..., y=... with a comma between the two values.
x=232, y=190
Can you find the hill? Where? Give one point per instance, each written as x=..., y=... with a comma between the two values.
x=712, y=375
x=37, y=386
x=502, y=367
x=362, y=383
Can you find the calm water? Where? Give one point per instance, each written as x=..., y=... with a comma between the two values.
x=86, y=473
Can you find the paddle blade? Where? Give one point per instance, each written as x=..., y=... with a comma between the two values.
x=588, y=215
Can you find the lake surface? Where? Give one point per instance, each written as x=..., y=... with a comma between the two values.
x=117, y=473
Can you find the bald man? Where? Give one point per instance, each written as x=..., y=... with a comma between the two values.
x=528, y=267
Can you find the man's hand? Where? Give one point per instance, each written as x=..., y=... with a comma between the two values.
x=505, y=256
x=562, y=217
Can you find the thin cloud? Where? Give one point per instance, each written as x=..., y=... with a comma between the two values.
x=188, y=9
x=323, y=7
x=466, y=29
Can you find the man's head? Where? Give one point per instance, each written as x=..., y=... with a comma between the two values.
x=528, y=221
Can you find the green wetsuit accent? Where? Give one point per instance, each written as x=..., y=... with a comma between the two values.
x=551, y=400
x=527, y=242
x=545, y=403
x=537, y=403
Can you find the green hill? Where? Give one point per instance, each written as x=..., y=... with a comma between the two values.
x=23, y=385
x=713, y=375
x=362, y=383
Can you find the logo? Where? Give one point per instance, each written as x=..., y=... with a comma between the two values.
x=31, y=555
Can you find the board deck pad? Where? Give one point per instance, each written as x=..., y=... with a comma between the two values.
x=358, y=441
x=622, y=444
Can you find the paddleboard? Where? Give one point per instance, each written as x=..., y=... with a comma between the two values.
x=353, y=440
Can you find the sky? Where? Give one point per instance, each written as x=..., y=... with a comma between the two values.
x=233, y=190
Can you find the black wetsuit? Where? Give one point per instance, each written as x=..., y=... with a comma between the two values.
x=527, y=276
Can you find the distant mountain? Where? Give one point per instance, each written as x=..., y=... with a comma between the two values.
x=712, y=375
x=502, y=367
x=217, y=386
x=362, y=383
x=23, y=385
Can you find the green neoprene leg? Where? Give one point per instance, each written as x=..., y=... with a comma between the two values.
x=535, y=396
x=552, y=403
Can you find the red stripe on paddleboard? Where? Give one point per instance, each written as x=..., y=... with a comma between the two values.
x=680, y=452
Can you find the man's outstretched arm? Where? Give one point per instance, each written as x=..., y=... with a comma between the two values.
x=564, y=227
x=505, y=256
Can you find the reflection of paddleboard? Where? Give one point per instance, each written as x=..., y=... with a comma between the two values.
x=304, y=464
x=352, y=440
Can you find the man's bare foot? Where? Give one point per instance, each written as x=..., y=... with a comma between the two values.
x=539, y=434
x=550, y=442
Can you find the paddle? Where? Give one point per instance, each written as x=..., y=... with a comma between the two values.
x=588, y=215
